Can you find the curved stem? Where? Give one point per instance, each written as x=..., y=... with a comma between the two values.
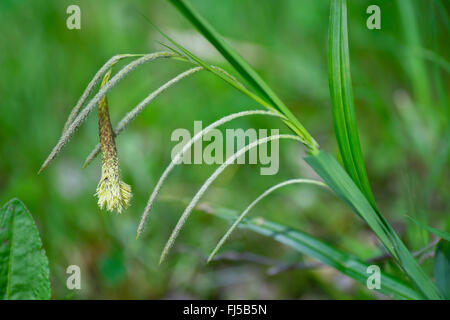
x=130, y=116
x=210, y=180
x=87, y=92
x=185, y=148
x=262, y=196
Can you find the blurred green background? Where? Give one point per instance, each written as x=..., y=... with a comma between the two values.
x=401, y=84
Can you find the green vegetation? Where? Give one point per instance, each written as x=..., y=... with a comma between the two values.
x=24, y=266
x=290, y=52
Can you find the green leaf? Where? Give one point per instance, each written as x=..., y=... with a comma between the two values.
x=442, y=267
x=24, y=271
x=344, y=187
x=244, y=69
x=341, y=93
x=325, y=253
x=439, y=233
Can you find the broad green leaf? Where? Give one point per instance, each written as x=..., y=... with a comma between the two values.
x=344, y=187
x=439, y=233
x=442, y=267
x=325, y=253
x=24, y=271
x=341, y=93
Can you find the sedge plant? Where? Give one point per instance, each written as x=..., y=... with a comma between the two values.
x=349, y=182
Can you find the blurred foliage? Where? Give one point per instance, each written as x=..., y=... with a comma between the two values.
x=403, y=129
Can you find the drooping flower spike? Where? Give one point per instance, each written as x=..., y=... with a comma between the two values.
x=111, y=190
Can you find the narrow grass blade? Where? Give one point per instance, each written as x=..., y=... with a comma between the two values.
x=439, y=233
x=343, y=186
x=341, y=93
x=224, y=76
x=323, y=252
x=244, y=69
x=255, y=202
